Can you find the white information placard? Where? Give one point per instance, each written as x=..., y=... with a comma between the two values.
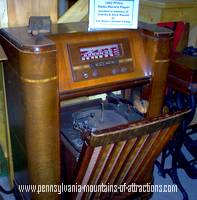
x=113, y=14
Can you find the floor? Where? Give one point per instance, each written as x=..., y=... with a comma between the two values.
x=190, y=185
x=5, y=184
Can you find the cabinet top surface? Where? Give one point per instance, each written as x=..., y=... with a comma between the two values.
x=23, y=40
x=185, y=61
x=169, y=3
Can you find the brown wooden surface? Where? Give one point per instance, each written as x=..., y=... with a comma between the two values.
x=36, y=65
x=120, y=133
x=127, y=160
x=76, y=13
x=65, y=73
x=155, y=11
x=170, y=3
x=183, y=73
x=26, y=42
x=158, y=53
x=19, y=11
x=33, y=107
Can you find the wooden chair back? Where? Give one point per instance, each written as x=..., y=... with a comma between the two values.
x=123, y=155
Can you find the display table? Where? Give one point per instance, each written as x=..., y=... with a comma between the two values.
x=183, y=73
x=154, y=11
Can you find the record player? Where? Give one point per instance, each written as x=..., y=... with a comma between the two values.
x=53, y=78
x=93, y=116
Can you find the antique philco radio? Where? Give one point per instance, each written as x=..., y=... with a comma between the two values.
x=73, y=88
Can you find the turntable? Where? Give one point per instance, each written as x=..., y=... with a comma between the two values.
x=82, y=119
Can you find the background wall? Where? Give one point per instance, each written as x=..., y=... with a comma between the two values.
x=17, y=12
x=3, y=13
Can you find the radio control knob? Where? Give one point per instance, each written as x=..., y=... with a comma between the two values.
x=114, y=71
x=85, y=75
x=123, y=70
x=95, y=73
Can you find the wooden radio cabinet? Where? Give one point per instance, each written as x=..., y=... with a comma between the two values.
x=44, y=71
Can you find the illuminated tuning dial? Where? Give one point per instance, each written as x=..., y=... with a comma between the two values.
x=103, y=51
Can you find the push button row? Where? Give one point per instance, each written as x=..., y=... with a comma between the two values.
x=114, y=71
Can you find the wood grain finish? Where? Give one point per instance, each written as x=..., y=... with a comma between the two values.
x=125, y=160
x=34, y=115
x=152, y=11
x=158, y=53
x=38, y=74
x=19, y=11
x=75, y=13
x=150, y=53
x=183, y=73
x=65, y=73
x=115, y=134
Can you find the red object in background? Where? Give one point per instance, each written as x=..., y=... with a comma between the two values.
x=178, y=27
